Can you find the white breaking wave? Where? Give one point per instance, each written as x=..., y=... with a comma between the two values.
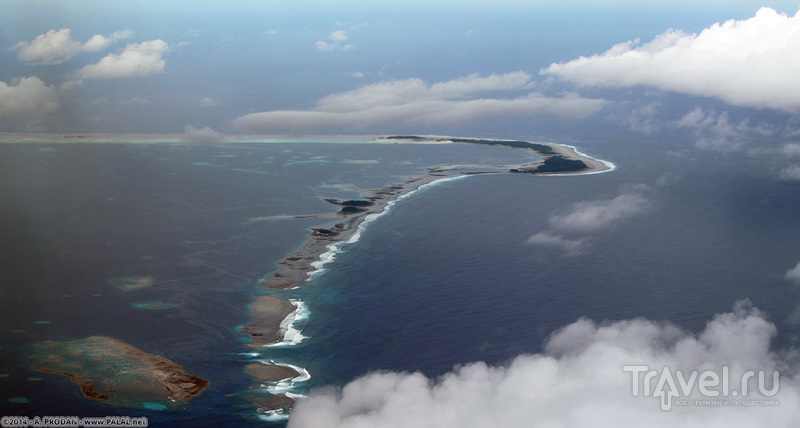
x=579, y=381
x=372, y=217
x=608, y=164
x=283, y=387
x=291, y=328
x=273, y=415
x=336, y=248
x=324, y=259
x=286, y=386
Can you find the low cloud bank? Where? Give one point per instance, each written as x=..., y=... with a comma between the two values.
x=414, y=102
x=594, y=215
x=749, y=63
x=587, y=217
x=578, y=381
x=204, y=135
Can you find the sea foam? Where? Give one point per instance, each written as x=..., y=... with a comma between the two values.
x=285, y=387
x=292, y=325
x=608, y=164
x=334, y=249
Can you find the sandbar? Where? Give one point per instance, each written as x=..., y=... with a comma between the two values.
x=267, y=372
x=269, y=313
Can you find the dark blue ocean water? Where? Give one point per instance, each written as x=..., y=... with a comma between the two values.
x=75, y=216
x=446, y=277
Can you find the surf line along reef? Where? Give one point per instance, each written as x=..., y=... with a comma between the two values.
x=272, y=315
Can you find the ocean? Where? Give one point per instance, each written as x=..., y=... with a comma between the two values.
x=448, y=276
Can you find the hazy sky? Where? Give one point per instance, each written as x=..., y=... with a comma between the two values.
x=516, y=69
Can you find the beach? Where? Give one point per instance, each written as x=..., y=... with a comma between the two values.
x=272, y=315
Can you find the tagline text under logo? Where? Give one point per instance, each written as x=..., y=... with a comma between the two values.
x=666, y=386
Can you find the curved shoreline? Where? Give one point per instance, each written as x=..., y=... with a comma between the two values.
x=300, y=265
x=274, y=316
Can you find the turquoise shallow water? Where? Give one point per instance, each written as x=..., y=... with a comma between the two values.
x=446, y=277
x=101, y=231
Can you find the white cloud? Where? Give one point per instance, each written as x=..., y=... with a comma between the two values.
x=403, y=92
x=205, y=135
x=208, y=102
x=794, y=273
x=640, y=118
x=548, y=239
x=750, y=62
x=136, y=60
x=357, y=75
x=791, y=150
x=790, y=131
x=124, y=34
x=588, y=217
x=693, y=119
x=29, y=96
x=712, y=132
x=53, y=47
x=97, y=43
x=324, y=46
x=415, y=103
x=719, y=132
x=577, y=382
x=69, y=84
x=57, y=46
x=790, y=173
x=337, y=37
x=591, y=216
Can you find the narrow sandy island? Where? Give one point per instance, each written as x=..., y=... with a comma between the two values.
x=269, y=313
x=294, y=270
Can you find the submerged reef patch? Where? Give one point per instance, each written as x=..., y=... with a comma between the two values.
x=117, y=373
x=131, y=283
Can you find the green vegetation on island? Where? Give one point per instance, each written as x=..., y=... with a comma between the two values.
x=350, y=210
x=553, y=161
x=556, y=164
x=356, y=203
x=351, y=206
x=405, y=137
x=542, y=149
